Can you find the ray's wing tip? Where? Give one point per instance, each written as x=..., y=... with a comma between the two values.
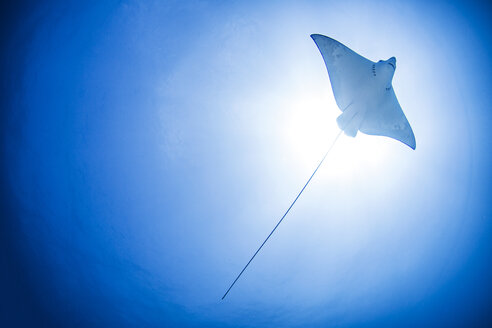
x=318, y=37
x=414, y=142
x=324, y=39
x=315, y=36
x=411, y=143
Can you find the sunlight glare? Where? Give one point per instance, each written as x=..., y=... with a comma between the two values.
x=309, y=130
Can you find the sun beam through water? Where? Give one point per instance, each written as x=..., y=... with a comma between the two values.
x=310, y=128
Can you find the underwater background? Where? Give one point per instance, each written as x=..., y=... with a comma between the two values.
x=149, y=147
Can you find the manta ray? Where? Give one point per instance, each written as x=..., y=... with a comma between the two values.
x=364, y=93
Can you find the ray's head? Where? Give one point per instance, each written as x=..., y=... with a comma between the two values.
x=386, y=68
x=391, y=62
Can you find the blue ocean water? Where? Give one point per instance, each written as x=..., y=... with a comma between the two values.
x=148, y=148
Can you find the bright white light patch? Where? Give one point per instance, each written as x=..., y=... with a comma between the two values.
x=310, y=128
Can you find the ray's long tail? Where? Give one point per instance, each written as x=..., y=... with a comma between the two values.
x=286, y=212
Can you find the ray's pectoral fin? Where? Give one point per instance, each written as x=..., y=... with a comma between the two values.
x=350, y=120
x=388, y=120
x=346, y=68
